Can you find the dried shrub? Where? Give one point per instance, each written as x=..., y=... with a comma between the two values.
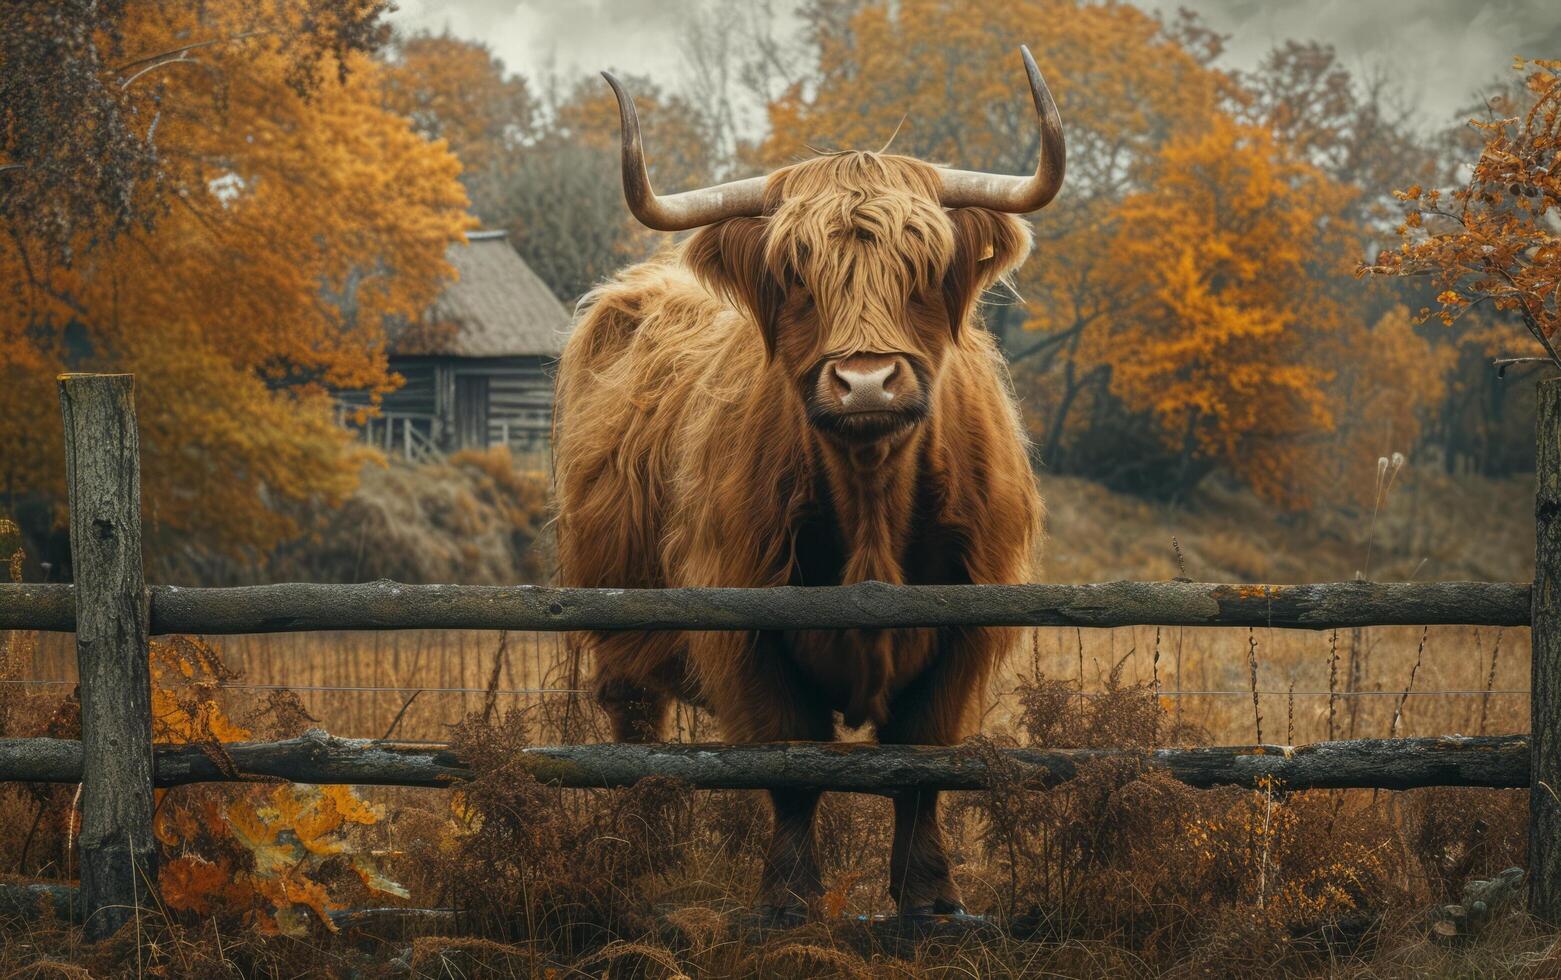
x=791, y=958
x=523, y=861
x=1056, y=714
x=1454, y=835
x=39, y=812
x=1129, y=853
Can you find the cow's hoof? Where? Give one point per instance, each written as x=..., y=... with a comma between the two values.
x=939, y=907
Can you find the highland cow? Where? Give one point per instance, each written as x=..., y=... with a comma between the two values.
x=802, y=394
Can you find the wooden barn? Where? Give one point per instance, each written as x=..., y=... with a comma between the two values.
x=478, y=370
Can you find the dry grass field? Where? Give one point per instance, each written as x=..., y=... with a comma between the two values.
x=1112, y=875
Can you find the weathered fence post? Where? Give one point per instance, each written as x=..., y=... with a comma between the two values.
x=1544, y=828
x=103, y=473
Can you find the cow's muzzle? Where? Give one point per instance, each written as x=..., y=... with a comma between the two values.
x=866, y=397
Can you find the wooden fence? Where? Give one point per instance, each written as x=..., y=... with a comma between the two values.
x=112, y=612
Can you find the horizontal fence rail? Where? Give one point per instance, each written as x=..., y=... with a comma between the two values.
x=295, y=607
x=1500, y=761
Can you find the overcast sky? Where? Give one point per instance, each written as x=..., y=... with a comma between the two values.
x=1441, y=50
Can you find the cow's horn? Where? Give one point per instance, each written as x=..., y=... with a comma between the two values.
x=676, y=212
x=1000, y=192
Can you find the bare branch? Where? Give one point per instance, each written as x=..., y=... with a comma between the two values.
x=172, y=52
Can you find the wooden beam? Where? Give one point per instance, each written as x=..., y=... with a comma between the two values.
x=389, y=605
x=103, y=477
x=29, y=606
x=1500, y=761
x=1544, y=829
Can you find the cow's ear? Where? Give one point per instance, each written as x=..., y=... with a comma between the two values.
x=987, y=247
x=729, y=258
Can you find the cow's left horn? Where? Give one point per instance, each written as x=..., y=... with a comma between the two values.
x=676, y=212
x=1000, y=192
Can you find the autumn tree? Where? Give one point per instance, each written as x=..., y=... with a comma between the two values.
x=80, y=106
x=1486, y=247
x=1490, y=248
x=459, y=91
x=1231, y=340
x=286, y=217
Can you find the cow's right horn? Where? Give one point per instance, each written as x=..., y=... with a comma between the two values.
x=1016, y=195
x=676, y=212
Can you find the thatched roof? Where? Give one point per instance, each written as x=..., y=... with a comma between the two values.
x=497, y=307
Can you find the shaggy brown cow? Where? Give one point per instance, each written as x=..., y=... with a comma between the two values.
x=799, y=394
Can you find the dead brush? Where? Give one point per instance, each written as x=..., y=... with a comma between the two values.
x=42, y=808
x=521, y=864
x=1133, y=856
x=1451, y=835
x=1056, y=714
x=793, y=958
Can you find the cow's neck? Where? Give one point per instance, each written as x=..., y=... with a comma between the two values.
x=872, y=497
x=873, y=494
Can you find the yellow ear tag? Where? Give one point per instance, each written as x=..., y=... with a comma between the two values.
x=986, y=254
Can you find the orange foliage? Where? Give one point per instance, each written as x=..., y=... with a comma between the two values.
x=265, y=857
x=1217, y=266
x=458, y=91
x=1494, y=241
x=295, y=228
x=1231, y=332
x=950, y=70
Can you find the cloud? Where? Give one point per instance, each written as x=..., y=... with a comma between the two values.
x=1440, y=52
x=569, y=37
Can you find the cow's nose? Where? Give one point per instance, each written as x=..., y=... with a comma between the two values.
x=864, y=384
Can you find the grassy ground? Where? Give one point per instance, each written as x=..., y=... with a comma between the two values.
x=1113, y=875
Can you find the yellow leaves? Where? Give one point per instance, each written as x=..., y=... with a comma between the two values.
x=268, y=852
x=351, y=808
x=259, y=854
x=300, y=228
x=291, y=899
x=1222, y=333
x=1497, y=240
x=191, y=883
x=186, y=674
x=374, y=879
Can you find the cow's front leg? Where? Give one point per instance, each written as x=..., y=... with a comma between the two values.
x=933, y=710
x=759, y=695
x=791, y=884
